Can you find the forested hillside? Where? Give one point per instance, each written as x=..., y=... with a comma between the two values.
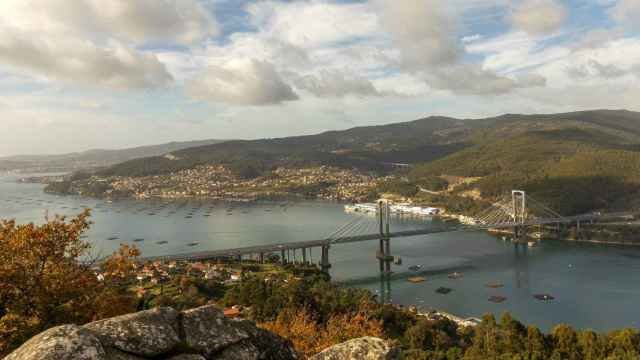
x=577, y=162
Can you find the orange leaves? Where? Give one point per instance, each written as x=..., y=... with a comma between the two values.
x=45, y=280
x=121, y=265
x=309, y=336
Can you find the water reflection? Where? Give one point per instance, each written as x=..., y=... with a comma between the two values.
x=593, y=286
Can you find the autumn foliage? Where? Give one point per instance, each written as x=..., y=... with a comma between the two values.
x=47, y=278
x=309, y=336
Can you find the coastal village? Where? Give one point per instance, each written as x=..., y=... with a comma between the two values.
x=219, y=182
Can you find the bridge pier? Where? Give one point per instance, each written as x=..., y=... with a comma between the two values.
x=304, y=256
x=324, y=261
x=282, y=258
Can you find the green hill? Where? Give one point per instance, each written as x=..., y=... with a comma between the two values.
x=574, y=170
x=577, y=161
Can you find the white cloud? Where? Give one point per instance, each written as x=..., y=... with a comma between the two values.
x=78, y=61
x=423, y=30
x=538, y=17
x=313, y=23
x=333, y=83
x=427, y=34
x=241, y=82
x=139, y=21
x=93, y=42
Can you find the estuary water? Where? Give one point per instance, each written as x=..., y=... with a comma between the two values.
x=594, y=286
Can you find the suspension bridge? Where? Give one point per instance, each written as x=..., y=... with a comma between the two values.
x=516, y=212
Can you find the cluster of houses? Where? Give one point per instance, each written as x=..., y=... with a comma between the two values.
x=399, y=209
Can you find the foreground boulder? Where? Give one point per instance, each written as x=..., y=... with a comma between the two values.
x=66, y=342
x=163, y=333
x=365, y=348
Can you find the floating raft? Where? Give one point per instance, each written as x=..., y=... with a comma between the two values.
x=443, y=290
x=495, y=284
x=497, y=298
x=416, y=279
x=543, y=297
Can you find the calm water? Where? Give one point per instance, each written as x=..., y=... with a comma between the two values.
x=594, y=286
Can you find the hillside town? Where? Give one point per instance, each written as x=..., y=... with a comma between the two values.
x=219, y=182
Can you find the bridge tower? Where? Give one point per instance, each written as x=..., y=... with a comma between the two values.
x=519, y=211
x=384, y=253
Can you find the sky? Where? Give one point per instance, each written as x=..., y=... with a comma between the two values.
x=82, y=74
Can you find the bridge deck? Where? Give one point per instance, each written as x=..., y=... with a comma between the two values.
x=271, y=248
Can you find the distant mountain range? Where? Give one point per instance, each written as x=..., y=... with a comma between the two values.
x=578, y=161
x=418, y=141
x=92, y=159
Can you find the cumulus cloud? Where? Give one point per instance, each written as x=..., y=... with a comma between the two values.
x=313, y=23
x=139, y=21
x=427, y=34
x=72, y=60
x=538, y=17
x=423, y=30
x=334, y=83
x=95, y=42
x=241, y=82
x=471, y=79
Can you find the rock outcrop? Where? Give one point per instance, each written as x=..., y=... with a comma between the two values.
x=163, y=333
x=365, y=348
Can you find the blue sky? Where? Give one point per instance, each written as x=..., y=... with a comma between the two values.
x=81, y=74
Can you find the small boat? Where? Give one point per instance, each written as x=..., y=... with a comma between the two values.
x=443, y=290
x=416, y=279
x=188, y=217
x=495, y=284
x=138, y=240
x=415, y=267
x=397, y=260
x=113, y=238
x=497, y=298
x=193, y=244
x=455, y=275
x=163, y=242
x=543, y=297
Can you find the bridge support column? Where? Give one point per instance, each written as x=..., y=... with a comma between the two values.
x=384, y=253
x=324, y=261
x=282, y=258
x=578, y=229
x=261, y=258
x=304, y=256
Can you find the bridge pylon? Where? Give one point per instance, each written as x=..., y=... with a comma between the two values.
x=384, y=253
x=519, y=210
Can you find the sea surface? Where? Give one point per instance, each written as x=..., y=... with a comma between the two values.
x=593, y=286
